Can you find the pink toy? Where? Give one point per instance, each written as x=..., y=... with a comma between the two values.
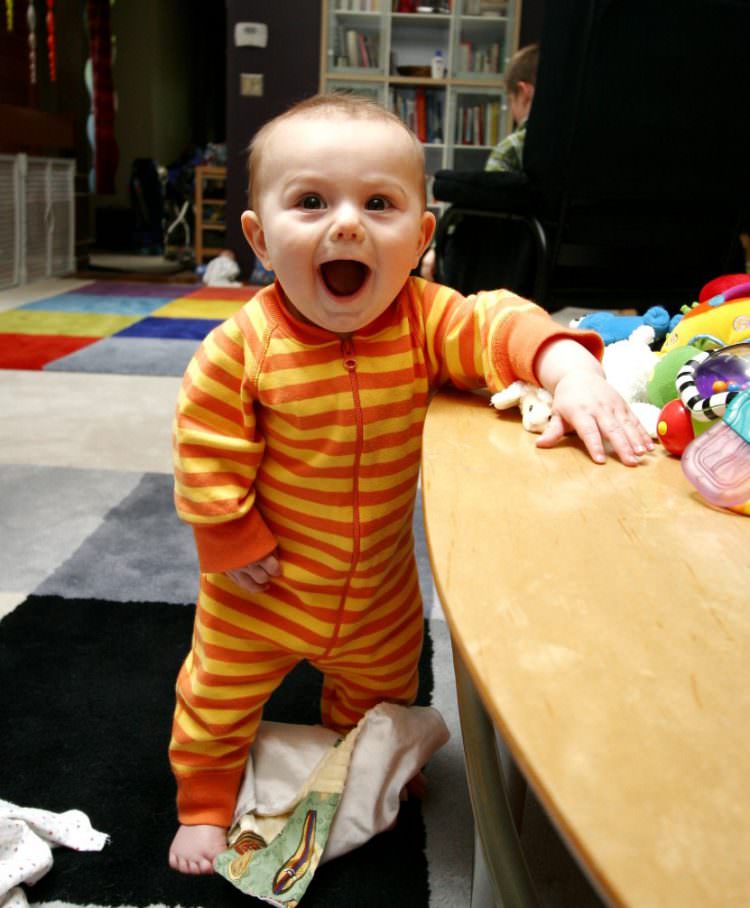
x=717, y=463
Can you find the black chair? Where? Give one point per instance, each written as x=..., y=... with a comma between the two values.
x=636, y=162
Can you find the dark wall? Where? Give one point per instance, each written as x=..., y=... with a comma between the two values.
x=67, y=95
x=290, y=65
x=532, y=18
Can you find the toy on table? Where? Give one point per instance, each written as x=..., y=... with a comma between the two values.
x=674, y=427
x=627, y=365
x=704, y=385
x=535, y=404
x=718, y=463
x=708, y=382
x=713, y=322
x=660, y=387
x=722, y=285
x=613, y=327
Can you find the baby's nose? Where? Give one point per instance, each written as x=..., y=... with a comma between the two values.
x=347, y=225
x=347, y=233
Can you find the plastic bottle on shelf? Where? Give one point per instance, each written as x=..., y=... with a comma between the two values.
x=438, y=65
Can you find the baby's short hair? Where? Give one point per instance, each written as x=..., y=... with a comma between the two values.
x=522, y=67
x=342, y=104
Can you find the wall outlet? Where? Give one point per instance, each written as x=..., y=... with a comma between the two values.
x=251, y=84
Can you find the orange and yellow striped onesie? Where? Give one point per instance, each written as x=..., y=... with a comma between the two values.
x=287, y=435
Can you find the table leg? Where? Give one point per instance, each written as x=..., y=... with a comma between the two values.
x=501, y=877
x=515, y=783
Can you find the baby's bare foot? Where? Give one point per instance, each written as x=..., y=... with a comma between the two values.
x=194, y=848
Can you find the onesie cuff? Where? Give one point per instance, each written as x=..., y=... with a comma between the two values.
x=591, y=340
x=515, y=354
x=236, y=543
x=208, y=797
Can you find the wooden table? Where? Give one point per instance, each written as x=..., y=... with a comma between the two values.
x=603, y=616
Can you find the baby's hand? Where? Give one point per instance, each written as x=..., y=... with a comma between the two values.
x=255, y=577
x=584, y=401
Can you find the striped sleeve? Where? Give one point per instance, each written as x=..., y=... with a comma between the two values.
x=217, y=447
x=489, y=339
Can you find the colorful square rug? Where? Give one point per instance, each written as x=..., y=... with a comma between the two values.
x=130, y=328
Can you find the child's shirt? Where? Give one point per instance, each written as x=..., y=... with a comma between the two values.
x=507, y=155
x=286, y=434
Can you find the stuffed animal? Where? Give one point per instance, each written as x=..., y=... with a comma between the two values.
x=535, y=404
x=714, y=322
x=222, y=271
x=628, y=365
x=613, y=327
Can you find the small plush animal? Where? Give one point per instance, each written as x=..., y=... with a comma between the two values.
x=222, y=271
x=614, y=327
x=534, y=402
x=628, y=365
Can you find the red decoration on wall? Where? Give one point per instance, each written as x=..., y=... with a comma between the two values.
x=51, y=55
x=106, y=153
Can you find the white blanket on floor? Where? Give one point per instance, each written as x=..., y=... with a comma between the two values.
x=393, y=745
x=27, y=837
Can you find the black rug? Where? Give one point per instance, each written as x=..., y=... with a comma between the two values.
x=87, y=698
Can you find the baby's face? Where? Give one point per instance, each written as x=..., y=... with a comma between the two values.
x=339, y=216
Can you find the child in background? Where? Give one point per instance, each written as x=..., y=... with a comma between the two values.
x=298, y=436
x=507, y=155
x=520, y=82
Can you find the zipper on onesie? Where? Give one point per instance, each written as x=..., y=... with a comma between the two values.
x=350, y=364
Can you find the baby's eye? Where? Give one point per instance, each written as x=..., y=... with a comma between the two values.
x=311, y=202
x=378, y=203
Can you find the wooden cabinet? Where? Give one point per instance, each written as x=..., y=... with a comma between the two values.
x=375, y=48
x=210, y=211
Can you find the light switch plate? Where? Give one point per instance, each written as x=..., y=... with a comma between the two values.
x=250, y=34
x=251, y=84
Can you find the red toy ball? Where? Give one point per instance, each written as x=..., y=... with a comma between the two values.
x=675, y=427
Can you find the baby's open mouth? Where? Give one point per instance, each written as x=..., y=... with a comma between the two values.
x=344, y=277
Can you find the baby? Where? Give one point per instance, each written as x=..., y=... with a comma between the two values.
x=298, y=436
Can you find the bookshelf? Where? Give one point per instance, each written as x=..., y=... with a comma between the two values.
x=210, y=211
x=384, y=49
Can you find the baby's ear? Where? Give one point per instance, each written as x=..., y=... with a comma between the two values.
x=426, y=233
x=256, y=237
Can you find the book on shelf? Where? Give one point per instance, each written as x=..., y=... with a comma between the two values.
x=421, y=109
x=486, y=7
x=478, y=123
x=473, y=59
x=357, y=6
x=363, y=55
x=352, y=47
x=356, y=48
x=413, y=6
